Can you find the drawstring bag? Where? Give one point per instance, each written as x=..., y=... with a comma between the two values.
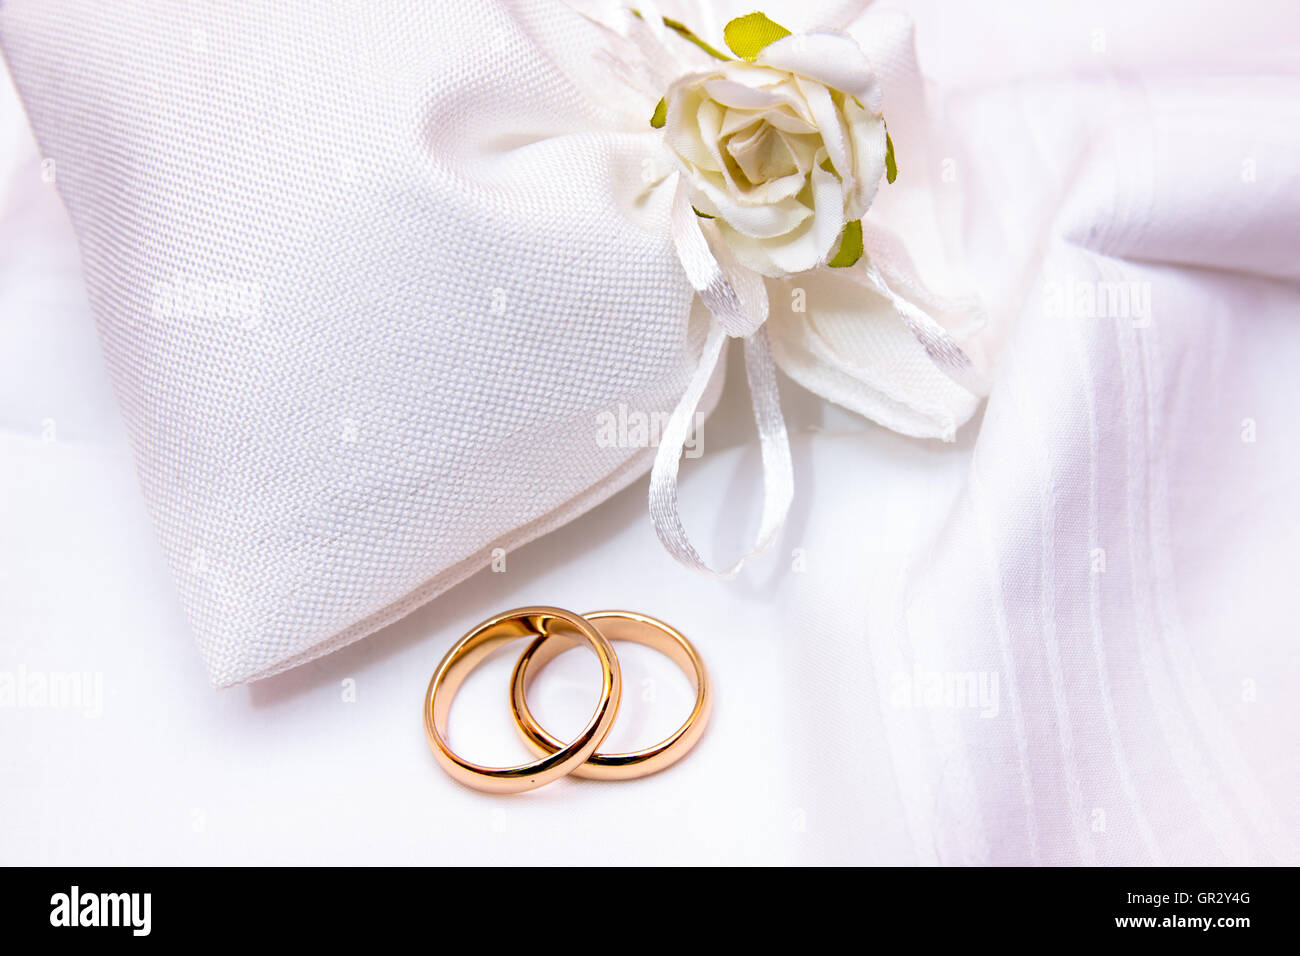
x=369, y=278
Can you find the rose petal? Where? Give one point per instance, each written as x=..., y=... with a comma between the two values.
x=867, y=137
x=786, y=120
x=830, y=124
x=757, y=220
x=745, y=193
x=709, y=117
x=734, y=121
x=831, y=59
x=828, y=207
x=803, y=248
x=731, y=93
x=682, y=131
x=803, y=149
x=762, y=154
x=775, y=190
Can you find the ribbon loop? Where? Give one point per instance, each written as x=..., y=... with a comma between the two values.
x=778, y=471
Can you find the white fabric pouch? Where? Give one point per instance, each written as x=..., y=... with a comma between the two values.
x=369, y=277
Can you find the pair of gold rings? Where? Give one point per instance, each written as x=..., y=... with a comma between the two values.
x=553, y=631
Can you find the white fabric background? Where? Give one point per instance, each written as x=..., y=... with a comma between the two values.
x=1145, y=712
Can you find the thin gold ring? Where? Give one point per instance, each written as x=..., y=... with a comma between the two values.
x=471, y=649
x=618, y=626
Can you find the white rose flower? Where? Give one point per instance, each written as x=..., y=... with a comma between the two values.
x=783, y=149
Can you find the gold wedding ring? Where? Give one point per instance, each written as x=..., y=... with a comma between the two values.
x=617, y=626
x=553, y=631
x=536, y=622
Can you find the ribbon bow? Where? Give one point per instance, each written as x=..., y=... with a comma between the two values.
x=737, y=300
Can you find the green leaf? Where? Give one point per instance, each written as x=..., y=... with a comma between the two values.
x=891, y=164
x=748, y=35
x=850, y=250
x=702, y=215
x=661, y=115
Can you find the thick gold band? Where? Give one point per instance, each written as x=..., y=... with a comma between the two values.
x=618, y=626
x=560, y=629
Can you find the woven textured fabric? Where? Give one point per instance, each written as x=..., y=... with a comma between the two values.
x=366, y=277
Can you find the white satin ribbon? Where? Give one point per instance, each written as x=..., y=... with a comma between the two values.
x=737, y=300
x=937, y=341
x=737, y=297
x=778, y=472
